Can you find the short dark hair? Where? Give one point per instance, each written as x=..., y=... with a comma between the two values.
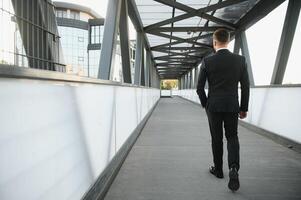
x=221, y=35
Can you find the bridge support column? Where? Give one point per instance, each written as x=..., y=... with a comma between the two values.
x=236, y=44
x=139, y=58
x=109, y=38
x=286, y=40
x=196, y=72
x=124, y=42
x=241, y=42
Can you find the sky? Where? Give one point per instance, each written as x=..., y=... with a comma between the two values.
x=100, y=6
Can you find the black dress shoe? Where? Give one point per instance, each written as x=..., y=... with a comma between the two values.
x=215, y=172
x=234, y=181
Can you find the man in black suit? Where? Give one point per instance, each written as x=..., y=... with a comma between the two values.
x=223, y=71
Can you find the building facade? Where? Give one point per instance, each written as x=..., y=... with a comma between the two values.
x=81, y=31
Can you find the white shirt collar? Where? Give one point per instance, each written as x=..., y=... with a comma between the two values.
x=221, y=49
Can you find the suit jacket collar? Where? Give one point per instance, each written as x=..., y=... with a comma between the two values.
x=222, y=51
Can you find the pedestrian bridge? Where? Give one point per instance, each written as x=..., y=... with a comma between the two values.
x=170, y=161
x=68, y=136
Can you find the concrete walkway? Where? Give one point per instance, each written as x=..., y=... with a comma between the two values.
x=171, y=157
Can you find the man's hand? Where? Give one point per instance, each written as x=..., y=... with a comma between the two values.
x=242, y=115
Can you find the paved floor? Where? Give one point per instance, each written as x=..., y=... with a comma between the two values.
x=170, y=160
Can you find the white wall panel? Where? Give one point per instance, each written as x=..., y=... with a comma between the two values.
x=96, y=112
x=57, y=137
x=126, y=118
x=276, y=109
x=166, y=93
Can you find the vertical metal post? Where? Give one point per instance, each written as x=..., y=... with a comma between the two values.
x=186, y=80
x=124, y=42
x=138, y=58
x=151, y=73
x=237, y=44
x=147, y=68
x=181, y=83
x=143, y=66
x=189, y=79
x=196, y=72
x=245, y=52
x=192, y=78
x=286, y=40
x=109, y=38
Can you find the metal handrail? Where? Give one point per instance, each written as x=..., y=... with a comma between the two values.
x=9, y=71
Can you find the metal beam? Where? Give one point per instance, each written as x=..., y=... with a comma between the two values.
x=286, y=40
x=177, y=60
x=179, y=54
x=185, y=29
x=181, y=48
x=175, y=68
x=109, y=38
x=136, y=20
x=147, y=67
x=142, y=76
x=195, y=76
x=174, y=62
x=237, y=44
x=178, y=39
x=245, y=53
x=259, y=11
x=191, y=12
x=184, y=40
x=218, y=20
x=124, y=42
x=171, y=70
x=138, y=58
x=170, y=64
x=135, y=17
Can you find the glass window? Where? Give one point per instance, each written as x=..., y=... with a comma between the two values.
x=64, y=13
x=74, y=14
x=293, y=69
x=94, y=57
x=80, y=39
x=95, y=34
x=74, y=47
x=58, y=13
x=263, y=41
x=61, y=13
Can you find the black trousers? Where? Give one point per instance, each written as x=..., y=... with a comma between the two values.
x=216, y=122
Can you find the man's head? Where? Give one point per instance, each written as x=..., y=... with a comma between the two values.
x=221, y=38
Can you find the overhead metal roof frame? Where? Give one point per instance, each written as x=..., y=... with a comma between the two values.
x=170, y=27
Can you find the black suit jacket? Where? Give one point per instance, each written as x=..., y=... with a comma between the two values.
x=224, y=70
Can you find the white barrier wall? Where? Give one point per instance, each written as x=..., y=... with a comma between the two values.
x=276, y=109
x=166, y=93
x=57, y=137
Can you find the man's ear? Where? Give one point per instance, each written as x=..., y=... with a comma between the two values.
x=214, y=44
